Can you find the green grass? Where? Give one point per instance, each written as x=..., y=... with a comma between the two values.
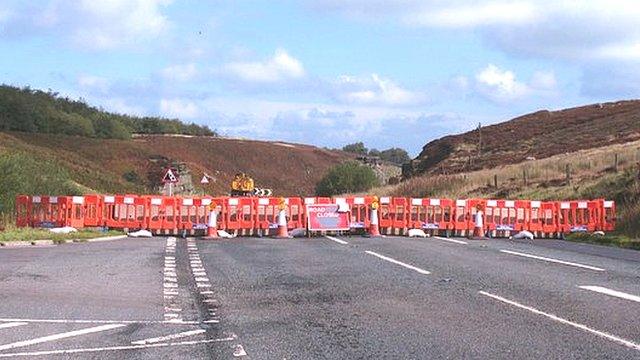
x=613, y=239
x=30, y=234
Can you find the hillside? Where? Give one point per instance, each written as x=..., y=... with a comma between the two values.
x=111, y=165
x=538, y=135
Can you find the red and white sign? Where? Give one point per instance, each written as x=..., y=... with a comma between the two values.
x=169, y=177
x=204, y=180
x=327, y=217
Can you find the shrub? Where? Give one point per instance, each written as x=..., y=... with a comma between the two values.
x=348, y=177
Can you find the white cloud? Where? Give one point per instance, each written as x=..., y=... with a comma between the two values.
x=476, y=14
x=502, y=86
x=93, y=83
x=374, y=90
x=280, y=67
x=180, y=72
x=179, y=108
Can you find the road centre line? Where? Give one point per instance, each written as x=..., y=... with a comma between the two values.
x=589, y=267
x=337, y=240
x=117, y=348
x=582, y=327
x=618, y=294
x=60, y=336
x=451, y=240
x=421, y=271
x=11, y=324
x=168, y=337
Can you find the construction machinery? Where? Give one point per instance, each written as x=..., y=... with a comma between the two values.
x=243, y=185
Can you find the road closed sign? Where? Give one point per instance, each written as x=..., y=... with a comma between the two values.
x=327, y=217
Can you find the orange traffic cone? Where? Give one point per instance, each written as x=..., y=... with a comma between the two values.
x=374, y=229
x=282, y=225
x=212, y=226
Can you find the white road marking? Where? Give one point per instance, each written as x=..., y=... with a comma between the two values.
x=619, y=294
x=582, y=327
x=451, y=240
x=204, y=279
x=206, y=292
x=82, y=321
x=239, y=351
x=11, y=324
x=203, y=285
x=211, y=321
x=60, y=336
x=421, y=271
x=337, y=240
x=117, y=348
x=589, y=267
x=168, y=337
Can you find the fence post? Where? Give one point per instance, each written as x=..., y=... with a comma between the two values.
x=495, y=181
x=615, y=163
x=567, y=170
x=524, y=176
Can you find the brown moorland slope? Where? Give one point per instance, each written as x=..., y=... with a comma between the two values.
x=538, y=135
x=103, y=164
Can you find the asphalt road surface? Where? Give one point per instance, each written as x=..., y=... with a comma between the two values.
x=320, y=298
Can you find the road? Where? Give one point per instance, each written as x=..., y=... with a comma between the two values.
x=320, y=298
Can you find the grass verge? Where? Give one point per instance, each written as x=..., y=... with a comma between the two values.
x=30, y=234
x=618, y=240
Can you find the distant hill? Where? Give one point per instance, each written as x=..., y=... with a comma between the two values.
x=36, y=111
x=538, y=135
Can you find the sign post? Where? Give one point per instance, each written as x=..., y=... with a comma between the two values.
x=170, y=178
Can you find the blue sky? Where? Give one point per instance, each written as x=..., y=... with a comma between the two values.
x=326, y=72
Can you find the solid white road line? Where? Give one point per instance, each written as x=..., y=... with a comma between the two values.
x=116, y=348
x=552, y=260
x=451, y=240
x=619, y=294
x=337, y=240
x=60, y=336
x=75, y=321
x=582, y=327
x=11, y=324
x=168, y=337
x=421, y=271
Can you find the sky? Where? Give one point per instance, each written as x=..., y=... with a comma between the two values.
x=326, y=72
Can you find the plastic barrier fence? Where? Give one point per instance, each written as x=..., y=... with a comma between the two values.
x=259, y=215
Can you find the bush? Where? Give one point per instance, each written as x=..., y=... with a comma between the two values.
x=349, y=177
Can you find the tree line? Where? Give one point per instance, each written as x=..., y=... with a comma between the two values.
x=37, y=111
x=397, y=156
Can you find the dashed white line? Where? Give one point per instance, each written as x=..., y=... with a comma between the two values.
x=582, y=327
x=168, y=337
x=615, y=293
x=451, y=240
x=337, y=240
x=60, y=336
x=589, y=267
x=11, y=324
x=417, y=269
x=116, y=348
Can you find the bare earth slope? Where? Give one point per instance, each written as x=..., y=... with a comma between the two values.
x=101, y=165
x=541, y=134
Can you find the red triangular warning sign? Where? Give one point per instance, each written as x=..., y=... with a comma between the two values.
x=204, y=180
x=169, y=177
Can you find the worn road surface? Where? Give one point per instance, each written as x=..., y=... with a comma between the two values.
x=320, y=298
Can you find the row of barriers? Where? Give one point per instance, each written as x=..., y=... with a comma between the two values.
x=259, y=216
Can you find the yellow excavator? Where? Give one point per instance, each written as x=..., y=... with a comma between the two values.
x=243, y=185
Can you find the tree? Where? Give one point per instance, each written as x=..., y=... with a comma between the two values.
x=348, y=177
x=356, y=148
x=395, y=155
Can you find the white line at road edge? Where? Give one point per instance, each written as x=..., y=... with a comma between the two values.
x=421, y=271
x=11, y=324
x=337, y=240
x=582, y=327
x=60, y=336
x=70, y=321
x=115, y=348
x=552, y=260
x=168, y=337
x=619, y=294
x=451, y=240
